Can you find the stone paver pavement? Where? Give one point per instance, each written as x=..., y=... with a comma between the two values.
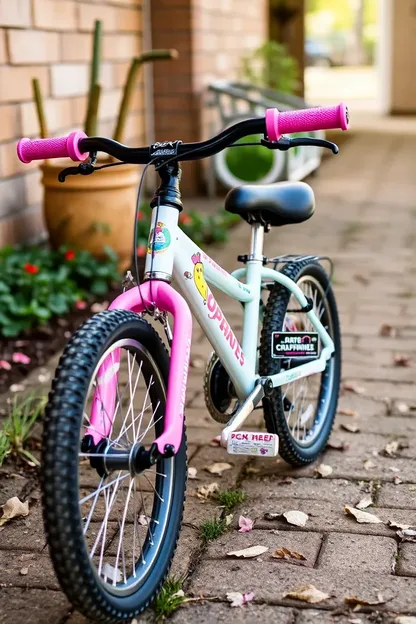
x=366, y=221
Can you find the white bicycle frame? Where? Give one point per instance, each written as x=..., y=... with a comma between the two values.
x=176, y=255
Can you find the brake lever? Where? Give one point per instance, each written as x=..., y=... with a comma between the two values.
x=84, y=168
x=284, y=143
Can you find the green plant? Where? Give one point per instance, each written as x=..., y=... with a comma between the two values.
x=230, y=499
x=271, y=66
x=37, y=283
x=252, y=163
x=18, y=426
x=211, y=529
x=169, y=598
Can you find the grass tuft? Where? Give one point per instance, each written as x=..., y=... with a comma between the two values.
x=230, y=499
x=211, y=529
x=168, y=599
x=18, y=426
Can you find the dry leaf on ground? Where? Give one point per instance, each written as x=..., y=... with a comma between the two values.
x=192, y=472
x=197, y=362
x=24, y=571
x=179, y=594
x=402, y=360
x=386, y=330
x=272, y=515
x=363, y=517
x=352, y=387
x=298, y=518
x=143, y=520
x=353, y=428
x=245, y=524
x=405, y=619
x=308, y=593
x=364, y=503
x=354, y=601
x=238, y=600
x=285, y=553
x=215, y=441
x=396, y=480
x=205, y=491
x=228, y=519
x=348, y=412
x=407, y=535
x=398, y=525
x=218, y=468
x=338, y=446
x=13, y=508
x=402, y=407
x=390, y=449
x=394, y=469
x=248, y=553
x=324, y=470
x=369, y=465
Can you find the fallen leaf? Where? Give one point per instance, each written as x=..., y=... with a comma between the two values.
x=215, y=441
x=228, y=519
x=20, y=358
x=363, y=517
x=17, y=388
x=197, y=362
x=206, y=491
x=44, y=377
x=245, y=524
x=307, y=593
x=407, y=535
x=348, y=412
x=386, y=330
x=251, y=470
x=143, y=520
x=390, y=449
x=298, y=518
x=338, y=446
x=272, y=515
x=369, y=465
x=402, y=360
x=354, y=601
x=249, y=553
x=218, y=468
x=5, y=365
x=99, y=307
x=179, y=594
x=355, y=621
x=351, y=387
x=364, y=503
x=192, y=473
x=351, y=428
x=285, y=553
x=324, y=470
x=24, y=571
x=238, y=600
x=396, y=480
x=405, y=619
x=13, y=508
x=402, y=408
x=397, y=525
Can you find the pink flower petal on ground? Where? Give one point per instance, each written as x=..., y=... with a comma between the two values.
x=5, y=365
x=248, y=597
x=245, y=524
x=80, y=305
x=20, y=358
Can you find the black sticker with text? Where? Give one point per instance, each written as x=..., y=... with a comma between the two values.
x=295, y=344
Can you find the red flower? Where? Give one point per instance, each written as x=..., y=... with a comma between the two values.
x=141, y=251
x=69, y=255
x=185, y=219
x=80, y=305
x=31, y=268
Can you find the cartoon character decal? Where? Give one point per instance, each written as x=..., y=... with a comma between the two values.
x=199, y=278
x=162, y=238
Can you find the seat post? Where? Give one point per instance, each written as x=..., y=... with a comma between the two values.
x=257, y=241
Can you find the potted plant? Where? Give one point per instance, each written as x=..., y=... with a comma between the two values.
x=96, y=212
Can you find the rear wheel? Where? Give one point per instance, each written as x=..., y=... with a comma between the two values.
x=112, y=531
x=301, y=412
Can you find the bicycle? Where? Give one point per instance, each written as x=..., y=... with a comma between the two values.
x=114, y=444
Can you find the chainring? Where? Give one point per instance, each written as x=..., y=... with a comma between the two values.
x=218, y=391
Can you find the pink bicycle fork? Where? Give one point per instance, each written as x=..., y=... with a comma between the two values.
x=166, y=299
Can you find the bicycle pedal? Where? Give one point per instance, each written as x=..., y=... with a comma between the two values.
x=253, y=443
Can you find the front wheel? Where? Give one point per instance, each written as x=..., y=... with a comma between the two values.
x=301, y=412
x=112, y=532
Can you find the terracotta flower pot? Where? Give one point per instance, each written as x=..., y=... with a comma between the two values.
x=92, y=212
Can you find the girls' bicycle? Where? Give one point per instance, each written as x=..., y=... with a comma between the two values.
x=114, y=445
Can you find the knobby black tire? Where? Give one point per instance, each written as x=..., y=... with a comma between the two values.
x=274, y=413
x=59, y=474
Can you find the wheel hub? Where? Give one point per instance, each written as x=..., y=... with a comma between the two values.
x=105, y=459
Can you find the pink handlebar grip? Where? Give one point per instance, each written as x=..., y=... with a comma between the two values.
x=58, y=147
x=305, y=120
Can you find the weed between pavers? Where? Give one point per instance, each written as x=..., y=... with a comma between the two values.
x=211, y=529
x=169, y=598
x=17, y=427
x=230, y=499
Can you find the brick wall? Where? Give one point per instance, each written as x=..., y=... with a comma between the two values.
x=51, y=40
x=211, y=36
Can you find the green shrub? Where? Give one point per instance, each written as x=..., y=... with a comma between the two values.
x=271, y=66
x=37, y=284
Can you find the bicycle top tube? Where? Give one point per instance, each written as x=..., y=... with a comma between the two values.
x=273, y=126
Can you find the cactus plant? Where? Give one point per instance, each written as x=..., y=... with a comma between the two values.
x=151, y=55
x=94, y=89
